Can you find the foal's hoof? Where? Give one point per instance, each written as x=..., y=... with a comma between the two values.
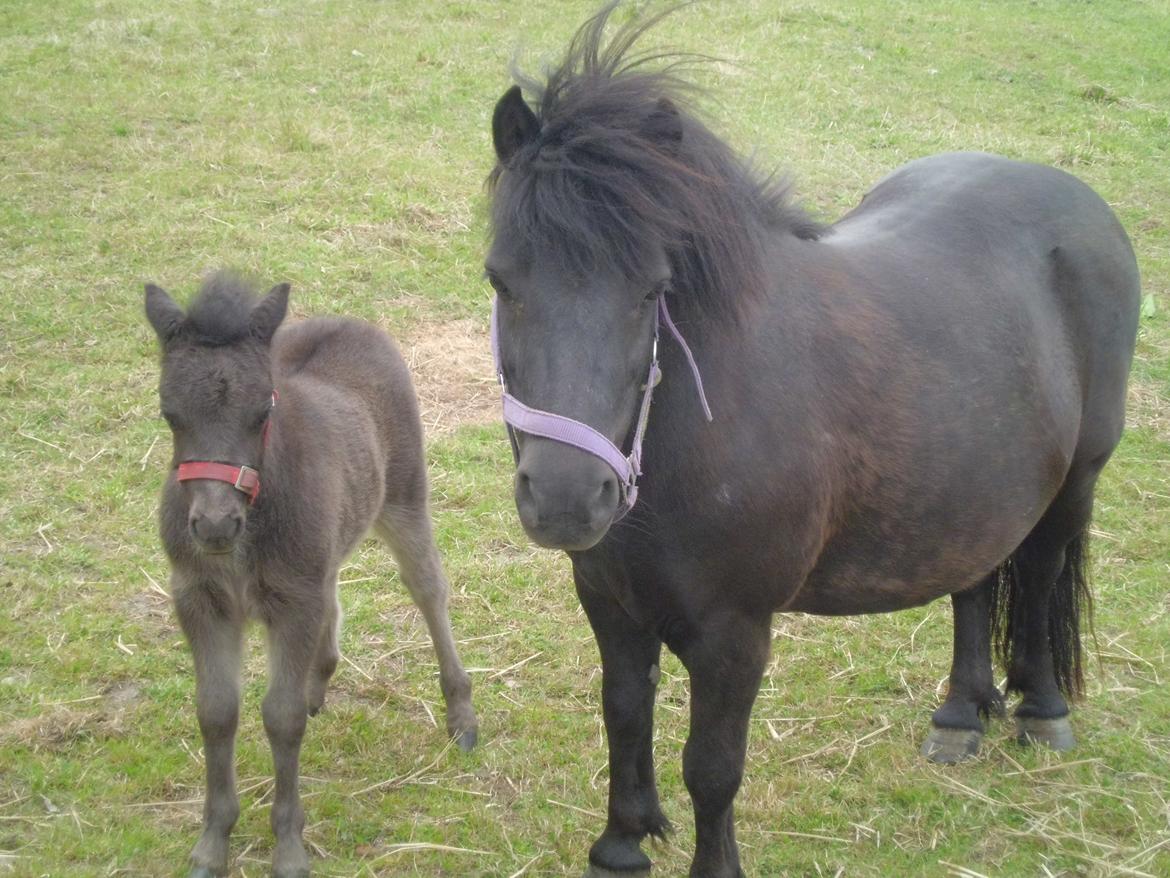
x=203, y=872
x=948, y=746
x=592, y=871
x=1054, y=733
x=467, y=739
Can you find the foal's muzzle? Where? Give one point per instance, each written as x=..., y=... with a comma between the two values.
x=216, y=533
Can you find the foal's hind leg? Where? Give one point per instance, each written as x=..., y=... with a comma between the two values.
x=957, y=726
x=407, y=531
x=328, y=653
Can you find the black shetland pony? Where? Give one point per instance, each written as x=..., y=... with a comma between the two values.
x=289, y=445
x=912, y=402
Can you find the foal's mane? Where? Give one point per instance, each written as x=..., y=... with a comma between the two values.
x=620, y=161
x=220, y=312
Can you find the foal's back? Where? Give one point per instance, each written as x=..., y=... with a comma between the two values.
x=348, y=430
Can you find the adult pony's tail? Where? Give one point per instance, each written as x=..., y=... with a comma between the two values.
x=1069, y=600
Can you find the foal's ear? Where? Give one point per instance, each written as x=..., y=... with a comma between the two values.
x=269, y=312
x=663, y=127
x=164, y=315
x=513, y=124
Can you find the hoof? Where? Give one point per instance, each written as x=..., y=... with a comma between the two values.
x=467, y=739
x=1054, y=733
x=948, y=746
x=592, y=871
x=292, y=873
x=204, y=872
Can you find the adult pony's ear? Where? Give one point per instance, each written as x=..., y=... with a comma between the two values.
x=663, y=127
x=268, y=313
x=164, y=315
x=513, y=124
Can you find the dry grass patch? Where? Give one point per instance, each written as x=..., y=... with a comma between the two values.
x=452, y=367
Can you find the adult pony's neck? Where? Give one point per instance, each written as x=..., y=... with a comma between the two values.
x=620, y=164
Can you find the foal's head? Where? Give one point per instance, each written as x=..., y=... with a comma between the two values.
x=216, y=395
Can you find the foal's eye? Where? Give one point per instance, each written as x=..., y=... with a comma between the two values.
x=260, y=417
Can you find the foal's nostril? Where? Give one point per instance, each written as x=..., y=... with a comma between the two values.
x=218, y=530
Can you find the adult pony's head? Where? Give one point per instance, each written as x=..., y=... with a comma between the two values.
x=606, y=197
x=216, y=395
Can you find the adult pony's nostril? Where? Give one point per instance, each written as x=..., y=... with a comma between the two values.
x=523, y=486
x=608, y=490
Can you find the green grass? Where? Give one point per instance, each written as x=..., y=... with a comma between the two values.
x=342, y=146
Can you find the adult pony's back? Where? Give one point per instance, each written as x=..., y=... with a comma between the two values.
x=913, y=402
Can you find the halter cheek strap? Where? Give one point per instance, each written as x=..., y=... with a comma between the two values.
x=243, y=478
x=536, y=422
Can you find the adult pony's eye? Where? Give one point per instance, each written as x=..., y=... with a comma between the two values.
x=498, y=285
x=656, y=292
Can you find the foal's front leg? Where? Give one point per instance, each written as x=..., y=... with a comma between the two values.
x=726, y=662
x=215, y=633
x=629, y=662
x=292, y=640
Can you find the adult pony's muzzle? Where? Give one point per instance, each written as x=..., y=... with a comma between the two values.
x=566, y=498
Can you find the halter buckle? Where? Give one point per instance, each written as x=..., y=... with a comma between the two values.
x=245, y=472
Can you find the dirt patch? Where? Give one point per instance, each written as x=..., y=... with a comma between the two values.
x=60, y=727
x=452, y=367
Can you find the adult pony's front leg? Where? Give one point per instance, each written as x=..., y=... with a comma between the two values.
x=726, y=662
x=629, y=665
x=216, y=638
x=957, y=726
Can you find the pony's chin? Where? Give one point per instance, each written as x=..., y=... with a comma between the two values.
x=218, y=550
x=566, y=538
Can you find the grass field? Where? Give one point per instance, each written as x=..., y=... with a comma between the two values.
x=342, y=146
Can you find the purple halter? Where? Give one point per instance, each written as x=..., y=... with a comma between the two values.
x=518, y=416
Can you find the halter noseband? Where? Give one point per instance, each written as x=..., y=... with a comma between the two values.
x=536, y=422
x=243, y=478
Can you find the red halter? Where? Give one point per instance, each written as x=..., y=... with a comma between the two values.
x=245, y=479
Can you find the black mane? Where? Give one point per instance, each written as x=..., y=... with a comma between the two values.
x=621, y=162
x=220, y=313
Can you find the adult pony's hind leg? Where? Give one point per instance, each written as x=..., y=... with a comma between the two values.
x=328, y=653
x=629, y=667
x=407, y=531
x=1047, y=593
x=726, y=662
x=216, y=638
x=957, y=726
